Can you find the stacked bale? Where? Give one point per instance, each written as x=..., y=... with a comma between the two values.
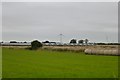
x=88, y=51
x=102, y=52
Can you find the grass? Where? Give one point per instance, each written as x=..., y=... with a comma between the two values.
x=20, y=63
x=0, y=62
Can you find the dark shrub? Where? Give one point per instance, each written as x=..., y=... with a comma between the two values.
x=74, y=41
x=35, y=45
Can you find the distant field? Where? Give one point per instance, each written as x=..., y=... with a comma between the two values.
x=20, y=63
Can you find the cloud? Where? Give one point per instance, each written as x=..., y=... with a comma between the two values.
x=26, y=21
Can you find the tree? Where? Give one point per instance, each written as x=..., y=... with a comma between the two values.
x=25, y=42
x=80, y=41
x=35, y=45
x=46, y=42
x=13, y=41
x=74, y=41
x=86, y=41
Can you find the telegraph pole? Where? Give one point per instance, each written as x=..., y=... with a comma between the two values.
x=61, y=36
x=107, y=39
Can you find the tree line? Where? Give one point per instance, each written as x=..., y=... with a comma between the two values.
x=74, y=41
x=36, y=44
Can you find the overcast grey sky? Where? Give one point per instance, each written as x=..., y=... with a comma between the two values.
x=26, y=21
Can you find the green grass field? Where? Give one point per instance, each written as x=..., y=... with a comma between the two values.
x=19, y=63
x=0, y=62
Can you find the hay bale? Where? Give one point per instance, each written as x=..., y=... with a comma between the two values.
x=107, y=52
x=101, y=52
x=111, y=52
x=114, y=52
x=88, y=51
